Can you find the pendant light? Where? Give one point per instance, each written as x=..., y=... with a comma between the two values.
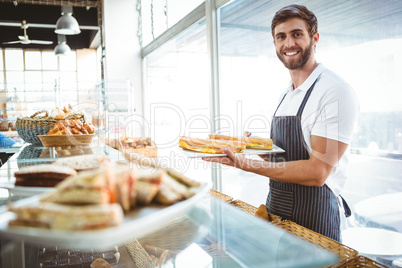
x=67, y=24
x=62, y=49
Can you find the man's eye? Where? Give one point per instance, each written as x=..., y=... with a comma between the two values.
x=280, y=37
x=297, y=35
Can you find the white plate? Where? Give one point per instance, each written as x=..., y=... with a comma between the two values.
x=136, y=224
x=26, y=190
x=275, y=149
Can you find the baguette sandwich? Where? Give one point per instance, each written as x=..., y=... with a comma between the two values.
x=66, y=217
x=211, y=146
x=251, y=142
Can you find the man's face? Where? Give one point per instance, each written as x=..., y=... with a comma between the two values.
x=293, y=43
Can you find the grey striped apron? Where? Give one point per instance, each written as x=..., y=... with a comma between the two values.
x=315, y=208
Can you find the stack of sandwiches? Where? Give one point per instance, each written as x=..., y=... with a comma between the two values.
x=99, y=198
x=49, y=175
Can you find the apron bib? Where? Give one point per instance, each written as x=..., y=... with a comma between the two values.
x=315, y=208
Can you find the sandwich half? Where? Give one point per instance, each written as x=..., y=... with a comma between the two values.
x=251, y=142
x=66, y=217
x=44, y=175
x=148, y=183
x=87, y=187
x=211, y=146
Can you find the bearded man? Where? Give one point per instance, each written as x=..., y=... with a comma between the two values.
x=313, y=123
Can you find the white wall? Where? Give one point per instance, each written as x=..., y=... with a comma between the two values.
x=122, y=48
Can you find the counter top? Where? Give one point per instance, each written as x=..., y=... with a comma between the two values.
x=210, y=234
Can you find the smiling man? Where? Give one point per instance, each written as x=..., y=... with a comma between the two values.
x=313, y=123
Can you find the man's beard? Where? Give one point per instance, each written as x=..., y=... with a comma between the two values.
x=296, y=64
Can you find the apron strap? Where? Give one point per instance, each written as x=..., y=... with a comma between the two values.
x=346, y=208
x=279, y=104
x=308, y=93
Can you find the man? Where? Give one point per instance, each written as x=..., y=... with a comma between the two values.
x=313, y=123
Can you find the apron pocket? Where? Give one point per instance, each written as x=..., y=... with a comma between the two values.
x=280, y=203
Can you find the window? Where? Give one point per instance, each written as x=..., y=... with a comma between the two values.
x=14, y=60
x=30, y=77
x=49, y=61
x=1, y=59
x=33, y=60
x=176, y=94
x=157, y=16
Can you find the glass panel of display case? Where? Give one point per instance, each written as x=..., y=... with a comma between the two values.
x=252, y=78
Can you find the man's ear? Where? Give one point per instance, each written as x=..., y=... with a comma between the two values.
x=316, y=38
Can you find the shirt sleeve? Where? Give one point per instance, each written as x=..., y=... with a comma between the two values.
x=337, y=117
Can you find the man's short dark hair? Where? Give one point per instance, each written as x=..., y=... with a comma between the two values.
x=296, y=11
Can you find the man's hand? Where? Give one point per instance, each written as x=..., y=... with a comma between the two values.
x=232, y=159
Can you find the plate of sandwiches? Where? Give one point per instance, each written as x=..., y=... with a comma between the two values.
x=103, y=207
x=25, y=191
x=195, y=147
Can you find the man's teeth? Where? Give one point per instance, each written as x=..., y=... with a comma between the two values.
x=291, y=53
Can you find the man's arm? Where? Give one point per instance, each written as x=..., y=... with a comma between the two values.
x=312, y=172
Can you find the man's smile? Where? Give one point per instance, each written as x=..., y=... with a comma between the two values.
x=291, y=53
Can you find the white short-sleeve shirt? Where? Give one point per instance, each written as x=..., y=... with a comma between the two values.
x=330, y=112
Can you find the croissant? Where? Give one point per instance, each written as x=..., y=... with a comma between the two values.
x=56, y=129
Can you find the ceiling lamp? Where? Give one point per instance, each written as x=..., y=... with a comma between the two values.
x=62, y=49
x=67, y=24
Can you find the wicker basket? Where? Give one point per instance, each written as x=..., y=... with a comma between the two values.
x=360, y=261
x=39, y=123
x=140, y=257
x=220, y=196
x=29, y=152
x=65, y=140
x=173, y=238
x=344, y=253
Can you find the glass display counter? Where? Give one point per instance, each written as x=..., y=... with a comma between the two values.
x=210, y=233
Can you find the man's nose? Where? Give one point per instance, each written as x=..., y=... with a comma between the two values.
x=290, y=42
